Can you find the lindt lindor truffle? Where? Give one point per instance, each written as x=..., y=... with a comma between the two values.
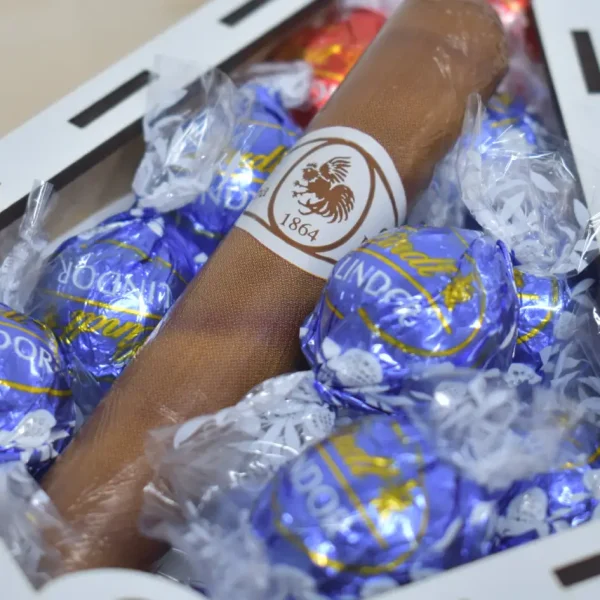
x=543, y=302
x=528, y=197
x=507, y=117
x=361, y=511
x=263, y=135
x=209, y=149
x=237, y=324
x=213, y=467
x=505, y=124
x=405, y=300
x=370, y=508
x=568, y=495
x=37, y=412
x=557, y=499
x=549, y=503
x=104, y=291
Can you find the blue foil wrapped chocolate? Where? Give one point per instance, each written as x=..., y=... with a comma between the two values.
x=543, y=301
x=264, y=133
x=568, y=496
x=406, y=300
x=554, y=501
x=104, y=291
x=370, y=508
x=507, y=116
x=37, y=412
x=548, y=504
x=186, y=130
x=505, y=128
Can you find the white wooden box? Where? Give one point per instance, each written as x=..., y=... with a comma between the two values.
x=73, y=140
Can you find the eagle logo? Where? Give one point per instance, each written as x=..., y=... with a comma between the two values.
x=332, y=200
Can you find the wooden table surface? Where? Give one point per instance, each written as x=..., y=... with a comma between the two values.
x=49, y=47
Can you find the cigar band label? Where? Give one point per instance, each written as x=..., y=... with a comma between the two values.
x=334, y=190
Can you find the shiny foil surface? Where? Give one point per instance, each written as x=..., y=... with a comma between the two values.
x=104, y=291
x=543, y=300
x=264, y=134
x=405, y=300
x=370, y=508
x=552, y=502
x=332, y=50
x=507, y=130
x=37, y=413
x=507, y=117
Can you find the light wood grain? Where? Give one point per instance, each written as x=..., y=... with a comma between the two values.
x=49, y=47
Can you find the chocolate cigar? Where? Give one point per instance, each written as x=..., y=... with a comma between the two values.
x=372, y=149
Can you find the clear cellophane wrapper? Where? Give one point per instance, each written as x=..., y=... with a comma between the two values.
x=21, y=265
x=194, y=120
x=212, y=468
x=496, y=429
x=492, y=428
x=30, y=527
x=237, y=323
x=190, y=121
x=529, y=196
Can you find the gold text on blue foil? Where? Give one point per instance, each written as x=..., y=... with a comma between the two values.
x=362, y=464
x=372, y=281
x=391, y=498
x=426, y=266
x=265, y=163
x=130, y=335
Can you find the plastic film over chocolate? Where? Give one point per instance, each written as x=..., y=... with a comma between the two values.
x=405, y=300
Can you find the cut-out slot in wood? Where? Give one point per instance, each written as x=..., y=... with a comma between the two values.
x=239, y=14
x=114, y=98
x=588, y=59
x=254, y=51
x=580, y=571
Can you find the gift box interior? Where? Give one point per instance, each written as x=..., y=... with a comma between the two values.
x=91, y=113
x=83, y=133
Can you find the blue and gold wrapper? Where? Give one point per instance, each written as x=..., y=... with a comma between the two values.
x=103, y=292
x=543, y=300
x=505, y=128
x=264, y=133
x=37, y=412
x=507, y=117
x=370, y=508
x=554, y=501
x=406, y=300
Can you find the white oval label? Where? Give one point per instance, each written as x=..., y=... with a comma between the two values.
x=335, y=188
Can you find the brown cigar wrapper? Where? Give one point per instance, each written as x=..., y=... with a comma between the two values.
x=237, y=324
